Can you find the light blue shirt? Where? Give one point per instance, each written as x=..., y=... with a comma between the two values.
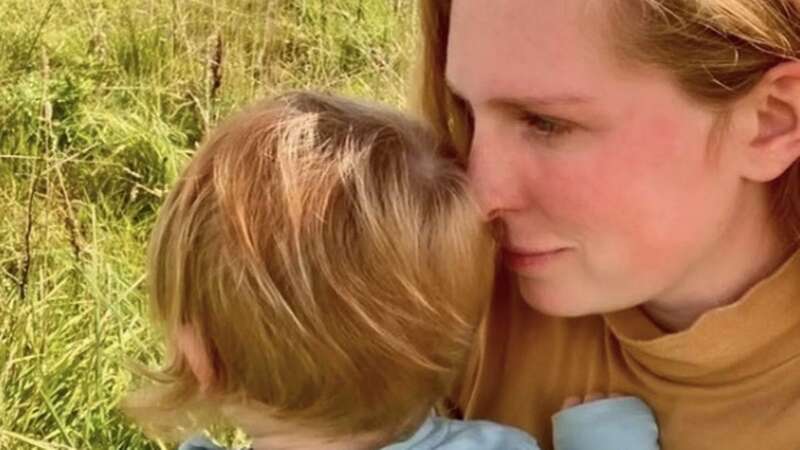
x=624, y=423
x=447, y=434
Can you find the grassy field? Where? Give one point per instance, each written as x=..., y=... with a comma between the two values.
x=101, y=103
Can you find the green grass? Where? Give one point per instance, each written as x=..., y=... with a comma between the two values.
x=101, y=103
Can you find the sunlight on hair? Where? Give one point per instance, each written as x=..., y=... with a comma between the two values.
x=332, y=262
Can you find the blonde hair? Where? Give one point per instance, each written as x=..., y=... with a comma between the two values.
x=331, y=262
x=716, y=50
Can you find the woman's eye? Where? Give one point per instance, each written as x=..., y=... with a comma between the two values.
x=544, y=126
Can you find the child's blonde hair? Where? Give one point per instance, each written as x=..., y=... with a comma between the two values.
x=331, y=262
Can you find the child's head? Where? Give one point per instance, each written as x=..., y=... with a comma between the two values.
x=328, y=263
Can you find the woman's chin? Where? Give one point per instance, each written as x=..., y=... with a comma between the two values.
x=557, y=302
x=570, y=302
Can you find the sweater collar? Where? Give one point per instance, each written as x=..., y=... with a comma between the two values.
x=759, y=331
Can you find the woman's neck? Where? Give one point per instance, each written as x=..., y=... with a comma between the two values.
x=752, y=249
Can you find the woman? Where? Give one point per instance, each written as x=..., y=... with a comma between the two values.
x=638, y=160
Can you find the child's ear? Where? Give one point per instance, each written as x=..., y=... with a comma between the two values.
x=190, y=345
x=769, y=116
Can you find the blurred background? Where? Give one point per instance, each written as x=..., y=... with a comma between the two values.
x=101, y=104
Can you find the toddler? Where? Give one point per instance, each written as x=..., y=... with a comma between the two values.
x=320, y=271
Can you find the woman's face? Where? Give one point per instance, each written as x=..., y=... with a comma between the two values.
x=599, y=176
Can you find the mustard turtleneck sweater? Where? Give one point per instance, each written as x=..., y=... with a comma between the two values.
x=731, y=381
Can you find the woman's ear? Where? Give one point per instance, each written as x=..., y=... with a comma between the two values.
x=770, y=116
x=191, y=346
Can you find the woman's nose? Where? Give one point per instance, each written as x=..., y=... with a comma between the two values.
x=493, y=176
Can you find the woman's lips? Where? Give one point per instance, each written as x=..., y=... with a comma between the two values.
x=522, y=260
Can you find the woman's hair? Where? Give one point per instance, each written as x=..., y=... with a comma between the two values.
x=715, y=50
x=330, y=262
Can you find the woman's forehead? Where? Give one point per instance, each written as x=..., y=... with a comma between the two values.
x=508, y=46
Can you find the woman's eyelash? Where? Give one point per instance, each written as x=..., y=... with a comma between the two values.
x=540, y=126
x=545, y=126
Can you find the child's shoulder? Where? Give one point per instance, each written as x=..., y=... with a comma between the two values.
x=447, y=434
x=200, y=443
x=481, y=434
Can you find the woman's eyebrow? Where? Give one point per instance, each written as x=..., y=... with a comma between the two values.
x=538, y=102
x=526, y=102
